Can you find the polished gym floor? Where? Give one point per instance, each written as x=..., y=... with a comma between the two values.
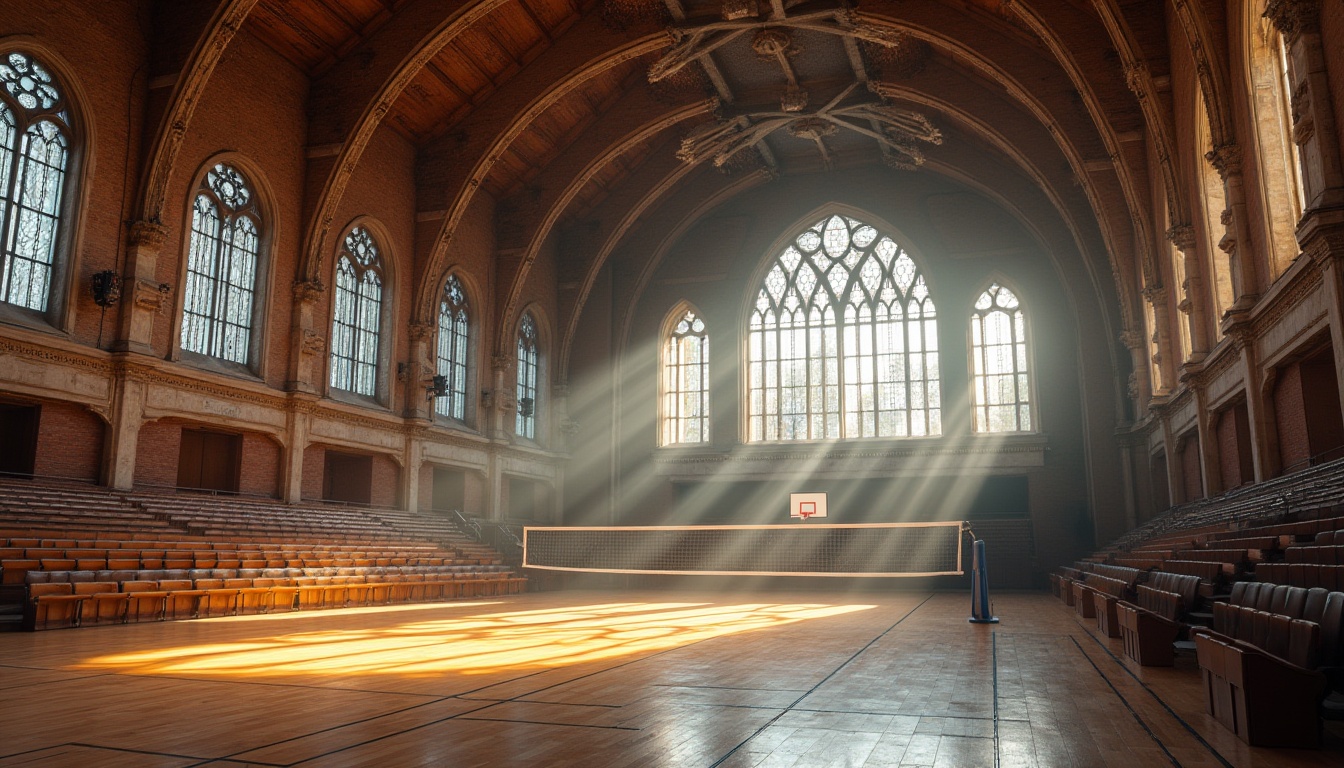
x=600, y=679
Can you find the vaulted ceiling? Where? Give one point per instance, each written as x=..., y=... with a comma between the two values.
x=586, y=114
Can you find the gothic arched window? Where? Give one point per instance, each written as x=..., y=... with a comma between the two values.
x=451, y=356
x=843, y=340
x=686, y=381
x=34, y=153
x=1001, y=380
x=526, y=423
x=357, y=315
x=217, y=313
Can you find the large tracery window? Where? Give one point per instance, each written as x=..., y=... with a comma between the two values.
x=1001, y=390
x=222, y=267
x=34, y=151
x=686, y=381
x=526, y=423
x=843, y=341
x=357, y=315
x=451, y=357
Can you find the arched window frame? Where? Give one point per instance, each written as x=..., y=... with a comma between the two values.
x=684, y=378
x=832, y=405
x=360, y=313
x=998, y=299
x=49, y=307
x=529, y=377
x=453, y=349
x=253, y=208
x=1269, y=93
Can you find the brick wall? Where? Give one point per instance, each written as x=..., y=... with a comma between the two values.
x=69, y=442
x=314, y=467
x=157, y=452
x=260, y=465
x=386, y=481
x=1190, y=469
x=1291, y=417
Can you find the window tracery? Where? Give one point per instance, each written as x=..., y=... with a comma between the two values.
x=34, y=157
x=525, y=425
x=222, y=261
x=1001, y=379
x=357, y=315
x=843, y=340
x=686, y=381
x=451, y=356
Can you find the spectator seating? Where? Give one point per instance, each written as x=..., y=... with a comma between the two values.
x=87, y=556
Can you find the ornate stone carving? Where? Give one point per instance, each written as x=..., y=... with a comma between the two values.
x=422, y=331
x=148, y=234
x=1131, y=338
x=147, y=294
x=1292, y=17
x=1182, y=236
x=501, y=363
x=1156, y=294
x=1226, y=159
x=313, y=343
x=308, y=290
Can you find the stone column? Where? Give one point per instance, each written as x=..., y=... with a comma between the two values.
x=1164, y=360
x=500, y=402
x=1192, y=303
x=1299, y=21
x=123, y=435
x=297, y=422
x=413, y=459
x=1326, y=249
x=1175, y=466
x=417, y=375
x=1236, y=243
x=1140, y=384
x=143, y=297
x=307, y=340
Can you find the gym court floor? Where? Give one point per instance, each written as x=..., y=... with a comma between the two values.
x=624, y=678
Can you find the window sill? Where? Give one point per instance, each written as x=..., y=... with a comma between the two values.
x=354, y=398
x=857, y=458
x=217, y=365
x=30, y=319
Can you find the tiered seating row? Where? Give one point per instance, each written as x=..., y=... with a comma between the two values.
x=79, y=598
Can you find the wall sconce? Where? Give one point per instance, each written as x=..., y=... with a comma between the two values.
x=526, y=406
x=438, y=387
x=106, y=287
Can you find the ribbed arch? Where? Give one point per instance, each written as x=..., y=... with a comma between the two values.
x=842, y=340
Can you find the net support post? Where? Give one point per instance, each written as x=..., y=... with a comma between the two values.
x=981, y=612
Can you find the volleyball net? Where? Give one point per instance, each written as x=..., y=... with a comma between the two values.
x=812, y=549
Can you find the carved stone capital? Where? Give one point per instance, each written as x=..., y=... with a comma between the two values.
x=500, y=363
x=1156, y=294
x=1293, y=17
x=1131, y=338
x=1136, y=77
x=1226, y=159
x=308, y=290
x=1182, y=236
x=422, y=331
x=148, y=234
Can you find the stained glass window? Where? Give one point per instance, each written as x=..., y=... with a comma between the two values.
x=843, y=340
x=526, y=423
x=1001, y=386
x=686, y=382
x=357, y=315
x=34, y=152
x=217, y=313
x=452, y=349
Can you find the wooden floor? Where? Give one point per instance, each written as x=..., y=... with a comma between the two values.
x=613, y=679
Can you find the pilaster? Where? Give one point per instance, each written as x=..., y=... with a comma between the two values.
x=307, y=341
x=144, y=297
